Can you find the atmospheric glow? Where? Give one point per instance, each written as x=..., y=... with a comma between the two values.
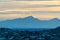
x=40, y=10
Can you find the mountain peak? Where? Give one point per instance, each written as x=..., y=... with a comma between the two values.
x=56, y=19
x=30, y=17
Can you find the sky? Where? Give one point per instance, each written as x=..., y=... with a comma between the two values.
x=10, y=9
x=27, y=0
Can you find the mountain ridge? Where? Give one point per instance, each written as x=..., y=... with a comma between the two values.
x=30, y=22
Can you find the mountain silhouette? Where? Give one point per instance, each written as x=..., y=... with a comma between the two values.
x=30, y=22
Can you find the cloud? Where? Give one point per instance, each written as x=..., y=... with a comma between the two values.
x=27, y=4
x=30, y=12
x=6, y=0
x=24, y=0
x=34, y=0
x=17, y=9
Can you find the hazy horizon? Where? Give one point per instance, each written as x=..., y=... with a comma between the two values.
x=28, y=16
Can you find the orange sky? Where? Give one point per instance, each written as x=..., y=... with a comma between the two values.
x=40, y=10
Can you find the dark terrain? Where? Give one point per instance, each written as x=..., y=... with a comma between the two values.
x=50, y=34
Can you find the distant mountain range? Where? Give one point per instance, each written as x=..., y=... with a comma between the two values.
x=30, y=22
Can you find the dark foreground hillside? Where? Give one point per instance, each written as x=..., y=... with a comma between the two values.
x=9, y=34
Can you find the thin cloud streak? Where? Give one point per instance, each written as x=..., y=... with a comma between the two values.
x=30, y=12
x=36, y=0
